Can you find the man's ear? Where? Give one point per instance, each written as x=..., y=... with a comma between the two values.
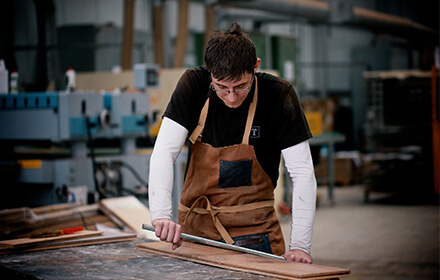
x=257, y=65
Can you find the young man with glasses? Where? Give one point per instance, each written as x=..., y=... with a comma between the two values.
x=239, y=122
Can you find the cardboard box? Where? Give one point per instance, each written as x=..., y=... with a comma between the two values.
x=325, y=108
x=347, y=169
x=315, y=122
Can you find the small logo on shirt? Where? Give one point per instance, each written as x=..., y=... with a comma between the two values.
x=255, y=132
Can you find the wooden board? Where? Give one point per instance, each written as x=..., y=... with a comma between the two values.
x=106, y=237
x=25, y=242
x=131, y=211
x=245, y=262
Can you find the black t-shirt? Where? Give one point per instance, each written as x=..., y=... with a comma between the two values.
x=279, y=121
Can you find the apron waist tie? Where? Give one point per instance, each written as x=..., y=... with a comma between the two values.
x=214, y=210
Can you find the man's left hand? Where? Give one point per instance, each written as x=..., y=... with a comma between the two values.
x=296, y=255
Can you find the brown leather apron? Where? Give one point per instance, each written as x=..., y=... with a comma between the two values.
x=227, y=195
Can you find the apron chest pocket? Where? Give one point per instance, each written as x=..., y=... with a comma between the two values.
x=260, y=242
x=235, y=173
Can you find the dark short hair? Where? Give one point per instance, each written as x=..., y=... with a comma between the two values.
x=230, y=54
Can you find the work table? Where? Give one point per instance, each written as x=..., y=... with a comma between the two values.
x=121, y=260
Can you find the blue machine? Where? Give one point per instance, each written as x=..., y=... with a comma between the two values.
x=74, y=166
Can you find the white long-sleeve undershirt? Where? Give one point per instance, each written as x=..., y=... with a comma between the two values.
x=169, y=143
x=167, y=147
x=299, y=164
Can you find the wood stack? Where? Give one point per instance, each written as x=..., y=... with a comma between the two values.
x=22, y=222
x=121, y=217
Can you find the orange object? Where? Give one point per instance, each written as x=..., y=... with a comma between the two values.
x=57, y=232
x=71, y=230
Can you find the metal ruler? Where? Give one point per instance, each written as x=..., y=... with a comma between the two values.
x=218, y=244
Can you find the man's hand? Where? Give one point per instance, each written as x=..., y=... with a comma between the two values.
x=296, y=255
x=168, y=231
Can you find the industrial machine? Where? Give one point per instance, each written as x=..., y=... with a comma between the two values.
x=72, y=146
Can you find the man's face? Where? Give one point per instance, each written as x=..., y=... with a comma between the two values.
x=233, y=93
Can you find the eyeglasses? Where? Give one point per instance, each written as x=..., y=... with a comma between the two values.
x=236, y=90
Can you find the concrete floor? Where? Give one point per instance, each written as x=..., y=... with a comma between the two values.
x=389, y=238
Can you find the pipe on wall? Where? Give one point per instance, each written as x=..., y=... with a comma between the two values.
x=332, y=12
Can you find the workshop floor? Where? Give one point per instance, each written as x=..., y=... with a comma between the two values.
x=389, y=238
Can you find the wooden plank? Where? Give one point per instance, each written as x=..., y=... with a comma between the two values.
x=245, y=262
x=182, y=34
x=210, y=19
x=12, y=220
x=127, y=35
x=131, y=211
x=23, y=242
x=159, y=46
x=54, y=208
x=106, y=237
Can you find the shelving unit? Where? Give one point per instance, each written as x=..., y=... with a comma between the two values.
x=398, y=132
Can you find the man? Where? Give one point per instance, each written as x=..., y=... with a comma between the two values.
x=239, y=123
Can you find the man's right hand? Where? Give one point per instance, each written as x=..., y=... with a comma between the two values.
x=168, y=231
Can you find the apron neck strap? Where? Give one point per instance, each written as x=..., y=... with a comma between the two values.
x=197, y=133
x=251, y=114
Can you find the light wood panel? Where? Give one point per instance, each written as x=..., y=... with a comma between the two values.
x=131, y=211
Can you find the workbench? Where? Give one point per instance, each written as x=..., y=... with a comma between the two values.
x=121, y=260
